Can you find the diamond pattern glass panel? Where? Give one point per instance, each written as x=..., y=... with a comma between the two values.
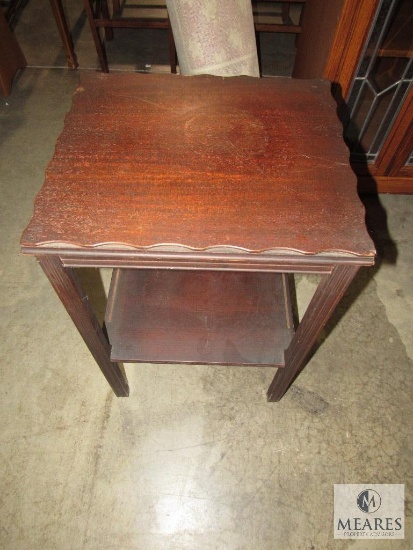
x=384, y=77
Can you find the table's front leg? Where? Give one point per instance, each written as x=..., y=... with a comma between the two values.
x=325, y=299
x=70, y=292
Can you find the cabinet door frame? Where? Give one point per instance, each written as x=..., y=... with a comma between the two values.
x=389, y=173
x=398, y=146
x=351, y=34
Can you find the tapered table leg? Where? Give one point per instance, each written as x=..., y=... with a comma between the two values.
x=70, y=292
x=99, y=45
x=61, y=22
x=325, y=299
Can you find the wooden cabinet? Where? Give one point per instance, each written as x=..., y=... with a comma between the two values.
x=11, y=57
x=368, y=56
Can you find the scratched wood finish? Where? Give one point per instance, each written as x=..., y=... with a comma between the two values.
x=215, y=176
x=173, y=162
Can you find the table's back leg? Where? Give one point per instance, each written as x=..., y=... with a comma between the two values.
x=325, y=299
x=100, y=46
x=70, y=292
x=63, y=29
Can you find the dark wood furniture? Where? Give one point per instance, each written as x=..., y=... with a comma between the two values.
x=66, y=37
x=127, y=15
x=11, y=57
x=203, y=194
x=272, y=16
x=276, y=17
x=15, y=6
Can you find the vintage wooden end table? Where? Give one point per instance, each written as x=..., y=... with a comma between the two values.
x=203, y=194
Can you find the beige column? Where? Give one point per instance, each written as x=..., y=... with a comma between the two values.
x=214, y=37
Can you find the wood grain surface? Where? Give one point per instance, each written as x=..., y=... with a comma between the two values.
x=201, y=317
x=166, y=162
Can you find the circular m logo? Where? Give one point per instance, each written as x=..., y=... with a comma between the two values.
x=369, y=501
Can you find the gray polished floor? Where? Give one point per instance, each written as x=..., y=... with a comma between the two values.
x=195, y=458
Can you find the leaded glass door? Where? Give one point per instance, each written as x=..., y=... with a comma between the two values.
x=379, y=127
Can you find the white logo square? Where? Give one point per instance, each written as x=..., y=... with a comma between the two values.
x=371, y=511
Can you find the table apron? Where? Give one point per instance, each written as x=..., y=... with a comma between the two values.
x=225, y=262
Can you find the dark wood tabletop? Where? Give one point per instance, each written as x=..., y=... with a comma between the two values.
x=166, y=162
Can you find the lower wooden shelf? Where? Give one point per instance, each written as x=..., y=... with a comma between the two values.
x=199, y=317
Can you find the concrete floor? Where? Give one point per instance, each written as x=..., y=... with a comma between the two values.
x=195, y=458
